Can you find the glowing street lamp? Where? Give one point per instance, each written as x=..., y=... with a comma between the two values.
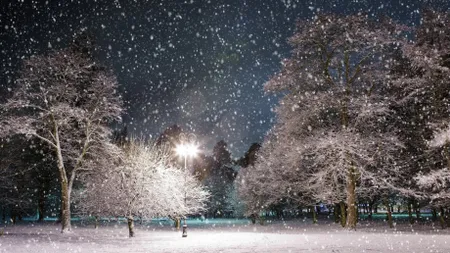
x=185, y=150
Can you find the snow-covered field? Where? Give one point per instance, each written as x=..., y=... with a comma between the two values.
x=226, y=236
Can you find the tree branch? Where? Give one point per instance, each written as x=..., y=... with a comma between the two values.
x=45, y=140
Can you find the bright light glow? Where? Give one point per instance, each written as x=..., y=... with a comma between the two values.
x=187, y=149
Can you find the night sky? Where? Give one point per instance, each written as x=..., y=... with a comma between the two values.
x=196, y=63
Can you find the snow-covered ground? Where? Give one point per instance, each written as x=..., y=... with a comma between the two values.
x=226, y=236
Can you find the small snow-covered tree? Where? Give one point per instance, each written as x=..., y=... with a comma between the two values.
x=275, y=177
x=146, y=186
x=66, y=100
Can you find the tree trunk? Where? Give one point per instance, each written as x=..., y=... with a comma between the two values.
x=418, y=213
x=13, y=216
x=41, y=205
x=65, y=189
x=3, y=215
x=314, y=214
x=434, y=214
x=254, y=217
x=343, y=214
x=411, y=219
x=177, y=223
x=442, y=218
x=351, y=199
x=358, y=213
x=130, y=226
x=96, y=222
x=65, y=208
x=369, y=209
x=300, y=211
x=336, y=213
x=389, y=213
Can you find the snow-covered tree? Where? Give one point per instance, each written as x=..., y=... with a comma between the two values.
x=274, y=178
x=220, y=180
x=423, y=81
x=66, y=100
x=147, y=185
x=234, y=202
x=331, y=132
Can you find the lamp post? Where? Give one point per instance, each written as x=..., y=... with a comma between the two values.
x=185, y=150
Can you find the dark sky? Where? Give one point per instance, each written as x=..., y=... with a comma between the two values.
x=200, y=64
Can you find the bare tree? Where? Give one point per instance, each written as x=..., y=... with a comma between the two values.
x=66, y=100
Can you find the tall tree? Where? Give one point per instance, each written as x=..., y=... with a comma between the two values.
x=331, y=130
x=220, y=179
x=423, y=81
x=171, y=136
x=249, y=158
x=66, y=100
x=202, y=166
